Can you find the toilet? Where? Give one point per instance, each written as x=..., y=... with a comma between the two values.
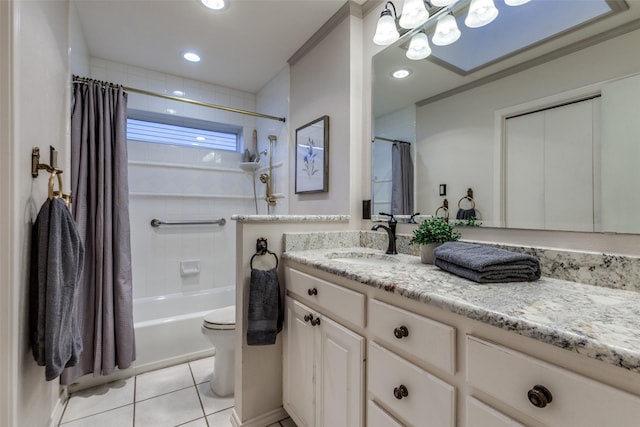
x=220, y=327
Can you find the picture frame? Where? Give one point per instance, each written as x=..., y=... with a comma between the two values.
x=312, y=157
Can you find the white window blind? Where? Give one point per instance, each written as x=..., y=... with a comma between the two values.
x=164, y=133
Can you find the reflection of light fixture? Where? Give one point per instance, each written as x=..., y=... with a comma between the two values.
x=200, y=138
x=447, y=31
x=414, y=13
x=191, y=56
x=515, y=2
x=419, y=47
x=215, y=4
x=386, y=31
x=178, y=93
x=401, y=73
x=481, y=13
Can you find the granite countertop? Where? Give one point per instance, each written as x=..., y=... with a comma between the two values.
x=598, y=322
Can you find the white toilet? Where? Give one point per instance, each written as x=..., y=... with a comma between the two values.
x=220, y=327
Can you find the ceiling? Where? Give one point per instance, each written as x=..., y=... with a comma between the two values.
x=431, y=79
x=242, y=47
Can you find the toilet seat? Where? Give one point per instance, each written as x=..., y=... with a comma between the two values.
x=221, y=319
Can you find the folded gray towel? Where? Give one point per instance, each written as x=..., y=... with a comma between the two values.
x=485, y=264
x=266, y=313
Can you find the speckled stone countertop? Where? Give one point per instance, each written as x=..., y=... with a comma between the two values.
x=291, y=218
x=594, y=321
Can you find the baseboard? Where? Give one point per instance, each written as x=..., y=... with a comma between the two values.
x=261, y=421
x=56, y=415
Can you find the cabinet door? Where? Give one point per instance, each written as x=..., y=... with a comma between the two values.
x=298, y=369
x=340, y=369
x=481, y=415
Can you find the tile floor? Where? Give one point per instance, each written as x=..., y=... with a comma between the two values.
x=174, y=396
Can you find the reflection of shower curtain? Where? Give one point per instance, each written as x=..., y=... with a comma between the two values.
x=101, y=209
x=401, y=179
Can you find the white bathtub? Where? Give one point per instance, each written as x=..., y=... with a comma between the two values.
x=168, y=327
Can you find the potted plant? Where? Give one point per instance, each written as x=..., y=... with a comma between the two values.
x=431, y=233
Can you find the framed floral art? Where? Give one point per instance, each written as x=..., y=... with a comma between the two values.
x=312, y=157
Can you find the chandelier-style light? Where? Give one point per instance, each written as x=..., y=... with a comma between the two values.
x=416, y=14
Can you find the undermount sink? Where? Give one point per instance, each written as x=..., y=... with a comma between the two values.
x=368, y=258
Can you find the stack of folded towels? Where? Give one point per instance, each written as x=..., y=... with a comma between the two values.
x=485, y=264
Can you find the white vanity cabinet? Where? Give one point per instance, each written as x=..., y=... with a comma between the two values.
x=323, y=369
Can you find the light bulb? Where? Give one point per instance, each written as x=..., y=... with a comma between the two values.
x=419, y=47
x=443, y=3
x=447, y=31
x=414, y=13
x=481, y=13
x=386, y=31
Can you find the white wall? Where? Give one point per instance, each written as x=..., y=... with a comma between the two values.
x=41, y=108
x=320, y=85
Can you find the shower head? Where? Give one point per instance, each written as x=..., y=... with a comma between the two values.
x=260, y=154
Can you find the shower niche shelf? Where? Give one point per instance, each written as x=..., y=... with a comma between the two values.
x=249, y=166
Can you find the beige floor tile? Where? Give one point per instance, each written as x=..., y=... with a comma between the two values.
x=211, y=402
x=202, y=369
x=163, y=381
x=200, y=422
x=99, y=399
x=121, y=417
x=221, y=419
x=169, y=410
x=287, y=422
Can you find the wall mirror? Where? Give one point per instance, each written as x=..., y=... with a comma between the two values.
x=544, y=135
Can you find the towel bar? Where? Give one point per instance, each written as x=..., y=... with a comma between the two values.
x=157, y=222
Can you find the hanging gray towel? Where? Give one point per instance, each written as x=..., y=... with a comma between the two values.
x=266, y=312
x=57, y=257
x=485, y=264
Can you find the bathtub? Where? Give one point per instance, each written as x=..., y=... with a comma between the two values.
x=168, y=327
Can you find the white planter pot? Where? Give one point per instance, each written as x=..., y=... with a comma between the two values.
x=426, y=252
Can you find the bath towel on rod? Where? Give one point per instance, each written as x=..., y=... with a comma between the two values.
x=485, y=264
x=57, y=257
x=266, y=313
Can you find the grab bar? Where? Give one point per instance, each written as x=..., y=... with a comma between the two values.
x=157, y=222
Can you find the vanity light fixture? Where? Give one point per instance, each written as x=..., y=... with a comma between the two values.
x=215, y=4
x=414, y=13
x=447, y=31
x=386, y=31
x=419, y=47
x=481, y=13
x=191, y=56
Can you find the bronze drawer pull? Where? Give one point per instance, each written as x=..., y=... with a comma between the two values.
x=539, y=396
x=312, y=291
x=401, y=332
x=400, y=392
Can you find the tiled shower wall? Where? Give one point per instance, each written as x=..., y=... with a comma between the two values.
x=182, y=183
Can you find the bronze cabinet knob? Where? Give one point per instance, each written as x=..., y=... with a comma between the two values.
x=539, y=396
x=401, y=332
x=308, y=317
x=400, y=392
x=312, y=291
x=315, y=322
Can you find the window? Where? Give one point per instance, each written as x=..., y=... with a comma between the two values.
x=160, y=129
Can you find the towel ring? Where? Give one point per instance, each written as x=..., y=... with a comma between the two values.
x=266, y=251
x=52, y=193
x=446, y=211
x=473, y=203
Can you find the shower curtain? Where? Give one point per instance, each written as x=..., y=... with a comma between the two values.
x=401, y=179
x=101, y=209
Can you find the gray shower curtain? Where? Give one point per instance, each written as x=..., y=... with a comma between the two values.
x=401, y=179
x=101, y=210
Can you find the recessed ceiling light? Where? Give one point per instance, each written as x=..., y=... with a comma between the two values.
x=401, y=73
x=191, y=56
x=178, y=93
x=215, y=4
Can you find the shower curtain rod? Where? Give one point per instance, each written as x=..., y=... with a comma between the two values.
x=382, y=138
x=176, y=98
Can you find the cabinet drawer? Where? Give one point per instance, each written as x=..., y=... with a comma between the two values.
x=333, y=299
x=481, y=415
x=575, y=400
x=377, y=417
x=429, y=401
x=430, y=341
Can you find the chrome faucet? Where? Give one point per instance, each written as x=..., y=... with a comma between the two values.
x=391, y=232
